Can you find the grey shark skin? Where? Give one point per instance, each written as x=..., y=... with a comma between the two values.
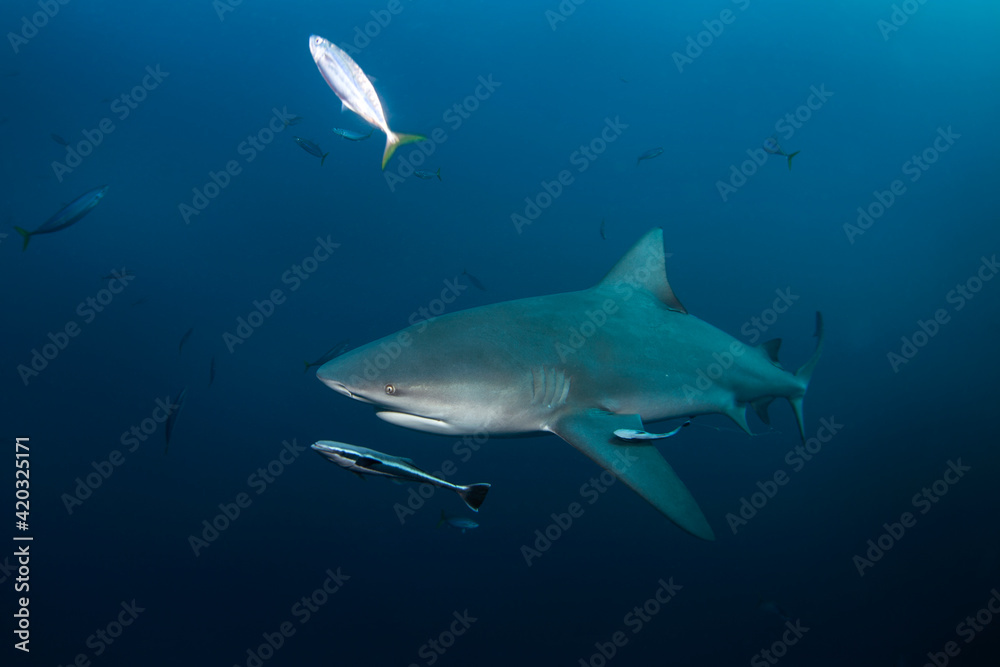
x=580, y=365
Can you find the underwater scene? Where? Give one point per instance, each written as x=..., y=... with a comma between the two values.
x=569, y=332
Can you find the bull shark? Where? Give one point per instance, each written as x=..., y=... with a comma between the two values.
x=581, y=365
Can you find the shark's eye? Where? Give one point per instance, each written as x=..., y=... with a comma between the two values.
x=390, y=390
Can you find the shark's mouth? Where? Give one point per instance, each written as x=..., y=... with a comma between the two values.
x=416, y=422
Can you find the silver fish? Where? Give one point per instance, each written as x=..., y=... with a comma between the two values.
x=184, y=339
x=772, y=146
x=459, y=522
x=178, y=403
x=635, y=434
x=364, y=461
x=312, y=149
x=356, y=91
x=59, y=140
x=69, y=214
x=428, y=175
x=351, y=135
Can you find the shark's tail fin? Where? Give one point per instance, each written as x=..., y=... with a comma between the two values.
x=473, y=495
x=27, y=237
x=790, y=159
x=394, y=141
x=805, y=373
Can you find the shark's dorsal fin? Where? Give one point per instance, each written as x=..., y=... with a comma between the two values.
x=644, y=266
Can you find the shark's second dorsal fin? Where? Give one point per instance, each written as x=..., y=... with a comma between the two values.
x=645, y=266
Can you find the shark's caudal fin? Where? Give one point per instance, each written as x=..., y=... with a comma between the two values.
x=640, y=466
x=473, y=495
x=27, y=237
x=394, y=141
x=644, y=266
x=790, y=159
x=805, y=373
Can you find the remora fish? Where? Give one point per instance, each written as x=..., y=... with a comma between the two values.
x=177, y=403
x=356, y=92
x=312, y=149
x=335, y=351
x=364, y=461
x=772, y=146
x=508, y=368
x=649, y=155
x=71, y=213
x=351, y=135
x=428, y=175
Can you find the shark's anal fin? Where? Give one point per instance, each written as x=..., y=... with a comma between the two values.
x=641, y=467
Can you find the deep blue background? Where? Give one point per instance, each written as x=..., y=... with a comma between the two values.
x=783, y=229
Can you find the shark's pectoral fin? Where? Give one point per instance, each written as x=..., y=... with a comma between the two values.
x=641, y=467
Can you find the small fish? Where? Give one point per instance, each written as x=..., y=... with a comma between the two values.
x=137, y=302
x=602, y=230
x=292, y=120
x=474, y=280
x=332, y=353
x=211, y=372
x=59, y=140
x=66, y=216
x=457, y=522
x=428, y=175
x=119, y=275
x=351, y=135
x=177, y=404
x=363, y=461
x=770, y=607
x=649, y=155
x=772, y=146
x=355, y=91
x=184, y=339
x=633, y=434
x=312, y=149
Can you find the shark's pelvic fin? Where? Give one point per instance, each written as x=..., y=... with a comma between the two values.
x=645, y=266
x=641, y=467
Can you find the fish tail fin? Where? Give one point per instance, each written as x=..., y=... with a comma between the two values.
x=307, y=366
x=27, y=236
x=438, y=173
x=441, y=520
x=473, y=495
x=804, y=374
x=394, y=141
x=322, y=159
x=790, y=159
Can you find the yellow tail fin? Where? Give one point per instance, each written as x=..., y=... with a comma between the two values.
x=394, y=141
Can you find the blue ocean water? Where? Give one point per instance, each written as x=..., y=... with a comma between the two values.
x=886, y=222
